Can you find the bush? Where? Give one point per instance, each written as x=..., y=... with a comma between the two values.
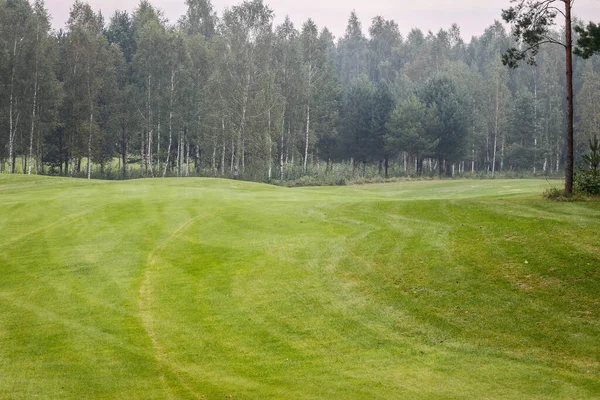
x=556, y=194
x=587, y=180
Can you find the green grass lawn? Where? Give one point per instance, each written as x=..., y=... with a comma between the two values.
x=207, y=288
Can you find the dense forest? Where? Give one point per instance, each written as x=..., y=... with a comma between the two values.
x=232, y=95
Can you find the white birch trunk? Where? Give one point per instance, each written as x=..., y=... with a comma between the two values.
x=177, y=161
x=232, y=155
x=223, y=159
x=170, y=141
x=270, y=161
x=35, y=92
x=12, y=128
x=223, y=149
x=214, y=156
x=282, y=149
x=187, y=158
x=496, y=128
x=307, y=134
x=89, y=160
x=158, y=165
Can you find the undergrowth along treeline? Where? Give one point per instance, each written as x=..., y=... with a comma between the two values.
x=231, y=95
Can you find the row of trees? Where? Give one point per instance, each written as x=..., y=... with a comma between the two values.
x=232, y=95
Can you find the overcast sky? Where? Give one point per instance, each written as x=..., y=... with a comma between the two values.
x=473, y=16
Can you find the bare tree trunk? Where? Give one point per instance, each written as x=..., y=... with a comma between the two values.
x=503, y=142
x=282, y=143
x=214, y=156
x=287, y=148
x=12, y=128
x=243, y=155
x=124, y=148
x=171, y=94
x=223, y=159
x=223, y=149
x=178, y=164
x=39, y=165
x=496, y=128
x=187, y=157
x=242, y=130
x=170, y=141
x=270, y=145
x=232, y=155
x=569, y=71
x=142, y=152
x=307, y=132
x=148, y=155
x=34, y=108
x=557, y=155
x=158, y=165
x=535, y=116
x=149, y=152
x=89, y=158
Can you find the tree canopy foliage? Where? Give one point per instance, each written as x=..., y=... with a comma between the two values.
x=233, y=95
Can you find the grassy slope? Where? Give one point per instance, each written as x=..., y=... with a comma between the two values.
x=201, y=288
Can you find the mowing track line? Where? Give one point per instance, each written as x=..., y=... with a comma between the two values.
x=145, y=295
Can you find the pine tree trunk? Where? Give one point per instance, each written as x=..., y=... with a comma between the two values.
x=569, y=73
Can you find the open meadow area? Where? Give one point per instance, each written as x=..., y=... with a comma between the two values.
x=211, y=289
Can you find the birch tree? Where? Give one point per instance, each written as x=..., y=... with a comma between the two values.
x=246, y=32
x=87, y=64
x=287, y=59
x=16, y=24
x=313, y=58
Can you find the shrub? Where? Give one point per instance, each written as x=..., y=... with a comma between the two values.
x=556, y=194
x=587, y=179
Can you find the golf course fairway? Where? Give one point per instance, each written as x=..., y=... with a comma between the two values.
x=212, y=289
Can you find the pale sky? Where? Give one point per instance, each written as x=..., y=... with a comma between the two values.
x=473, y=16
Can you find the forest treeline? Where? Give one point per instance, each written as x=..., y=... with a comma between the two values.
x=233, y=95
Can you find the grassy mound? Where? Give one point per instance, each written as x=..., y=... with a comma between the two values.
x=204, y=288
